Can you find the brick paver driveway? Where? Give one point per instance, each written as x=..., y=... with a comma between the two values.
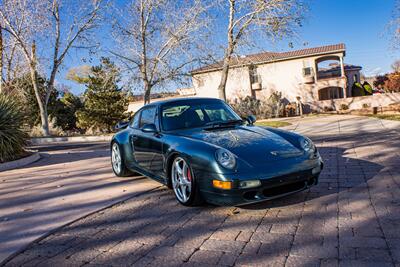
x=352, y=218
x=70, y=181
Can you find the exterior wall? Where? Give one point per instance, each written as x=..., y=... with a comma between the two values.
x=238, y=83
x=284, y=76
x=350, y=79
x=377, y=100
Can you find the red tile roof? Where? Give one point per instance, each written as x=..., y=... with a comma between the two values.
x=267, y=57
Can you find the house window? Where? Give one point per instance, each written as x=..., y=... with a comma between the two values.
x=330, y=93
x=254, y=76
x=355, y=78
x=307, y=69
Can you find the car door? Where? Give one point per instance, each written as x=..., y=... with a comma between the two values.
x=146, y=145
x=157, y=163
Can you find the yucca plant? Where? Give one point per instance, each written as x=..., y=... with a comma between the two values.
x=12, y=138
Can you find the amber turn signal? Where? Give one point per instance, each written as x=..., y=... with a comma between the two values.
x=222, y=184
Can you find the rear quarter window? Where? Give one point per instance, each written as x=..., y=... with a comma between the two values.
x=148, y=116
x=135, y=120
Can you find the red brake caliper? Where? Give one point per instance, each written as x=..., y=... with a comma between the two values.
x=189, y=175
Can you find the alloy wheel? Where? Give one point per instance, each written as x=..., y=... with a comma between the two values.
x=116, y=158
x=181, y=179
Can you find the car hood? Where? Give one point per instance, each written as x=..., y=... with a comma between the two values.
x=254, y=145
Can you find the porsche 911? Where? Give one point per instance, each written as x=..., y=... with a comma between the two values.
x=202, y=150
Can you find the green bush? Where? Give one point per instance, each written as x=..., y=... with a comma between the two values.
x=367, y=88
x=357, y=89
x=65, y=115
x=12, y=138
x=29, y=105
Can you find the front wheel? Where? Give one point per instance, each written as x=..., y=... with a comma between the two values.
x=184, y=183
x=117, y=161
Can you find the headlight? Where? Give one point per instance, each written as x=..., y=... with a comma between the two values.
x=306, y=144
x=225, y=158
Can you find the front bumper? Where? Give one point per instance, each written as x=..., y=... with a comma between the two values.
x=270, y=188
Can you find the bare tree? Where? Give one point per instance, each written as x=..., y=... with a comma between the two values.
x=393, y=26
x=396, y=66
x=54, y=26
x=247, y=19
x=13, y=65
x=158, y=39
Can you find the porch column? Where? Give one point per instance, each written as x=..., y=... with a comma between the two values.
x=343, y=75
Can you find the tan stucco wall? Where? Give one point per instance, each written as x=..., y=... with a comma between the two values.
x=238, y=83
x=284, y=76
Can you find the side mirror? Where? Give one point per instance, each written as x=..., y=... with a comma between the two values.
x=149, y=128
x=121, y=125
x=251, y=119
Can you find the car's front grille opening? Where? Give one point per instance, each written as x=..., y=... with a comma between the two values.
x=283, y=189
x=250, y=195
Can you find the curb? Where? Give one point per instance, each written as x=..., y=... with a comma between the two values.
x=48, y=140
x=20, y=162
x=53, y=231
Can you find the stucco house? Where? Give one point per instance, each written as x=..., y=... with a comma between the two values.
x=313, y=74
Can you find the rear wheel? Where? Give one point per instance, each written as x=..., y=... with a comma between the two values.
x=184, y=183
x=117, y=161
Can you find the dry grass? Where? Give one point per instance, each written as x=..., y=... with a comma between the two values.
x=393, y=117
x=275, y=124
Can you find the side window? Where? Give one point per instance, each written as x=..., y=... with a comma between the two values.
x=148, y=116
x=135, y=120
x=254, y=76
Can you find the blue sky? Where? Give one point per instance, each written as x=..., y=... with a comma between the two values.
x=360, y=24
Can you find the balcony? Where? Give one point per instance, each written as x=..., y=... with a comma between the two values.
x=308, y=79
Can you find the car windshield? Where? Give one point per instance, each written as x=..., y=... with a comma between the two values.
x=198, y=113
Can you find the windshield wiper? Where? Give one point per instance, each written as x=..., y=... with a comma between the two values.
x=220, y=124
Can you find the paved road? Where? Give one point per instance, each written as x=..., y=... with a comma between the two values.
x=352, y=218
x=67, y=183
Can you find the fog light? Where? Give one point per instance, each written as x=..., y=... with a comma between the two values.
x=250, y=184
x=222, y=184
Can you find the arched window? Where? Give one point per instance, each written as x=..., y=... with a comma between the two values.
x=330, y=93
x=328, y=67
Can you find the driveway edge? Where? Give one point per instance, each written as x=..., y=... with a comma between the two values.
x=49, y=140
x=20, y=162
x=53, y=231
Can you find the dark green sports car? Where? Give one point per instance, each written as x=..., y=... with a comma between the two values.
x=204, y=151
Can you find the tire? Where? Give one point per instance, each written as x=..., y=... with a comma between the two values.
x=184, y=183
x=118, y=161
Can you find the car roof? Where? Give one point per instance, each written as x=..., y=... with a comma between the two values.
x=177, y=100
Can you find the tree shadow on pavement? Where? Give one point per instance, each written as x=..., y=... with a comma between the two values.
x=351, y=218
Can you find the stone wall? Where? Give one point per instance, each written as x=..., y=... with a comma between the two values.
x=377, y=100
